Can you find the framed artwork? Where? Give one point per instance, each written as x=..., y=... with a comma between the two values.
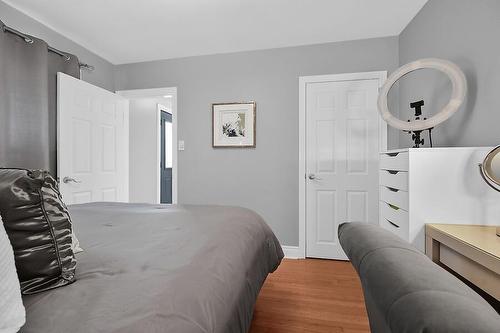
x=233, y=125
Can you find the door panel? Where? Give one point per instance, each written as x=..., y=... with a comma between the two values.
x=342, y=145
x=357, y=202
x=357, y=162
x=92, y=142
x=325, y=146
x=326, y=203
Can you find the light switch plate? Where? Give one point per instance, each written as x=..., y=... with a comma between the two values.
x=181, y=145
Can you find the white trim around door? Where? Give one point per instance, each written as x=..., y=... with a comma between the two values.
x=381, y=76
x=158, y=92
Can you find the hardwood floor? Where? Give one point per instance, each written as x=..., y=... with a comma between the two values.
x=311, y=296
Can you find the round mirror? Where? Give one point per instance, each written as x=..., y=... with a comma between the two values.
x=490, y=168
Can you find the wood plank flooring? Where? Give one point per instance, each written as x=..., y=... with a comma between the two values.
x=311, y=296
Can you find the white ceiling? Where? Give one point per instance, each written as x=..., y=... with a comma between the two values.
x=125, y=31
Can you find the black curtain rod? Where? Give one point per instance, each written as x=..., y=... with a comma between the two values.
x=29, y=40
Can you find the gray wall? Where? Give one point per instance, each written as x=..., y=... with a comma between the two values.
x=467, y=33
x=102, y=76
x=265, y=178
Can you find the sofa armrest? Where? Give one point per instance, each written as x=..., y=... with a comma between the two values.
x=406, y=292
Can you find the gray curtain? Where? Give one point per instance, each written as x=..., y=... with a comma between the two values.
x=28, y=101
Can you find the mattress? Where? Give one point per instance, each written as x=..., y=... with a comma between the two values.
x=160, y=268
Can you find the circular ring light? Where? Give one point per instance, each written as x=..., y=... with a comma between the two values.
x=459, y=86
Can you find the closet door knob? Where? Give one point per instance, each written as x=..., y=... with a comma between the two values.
x=312, y=176
x=67, y=180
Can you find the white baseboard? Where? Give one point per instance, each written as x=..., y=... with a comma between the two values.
x=292, y=252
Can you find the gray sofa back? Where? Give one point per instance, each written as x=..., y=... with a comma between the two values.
x=406, y=292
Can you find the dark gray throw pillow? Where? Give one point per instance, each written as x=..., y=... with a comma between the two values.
x=39, y=227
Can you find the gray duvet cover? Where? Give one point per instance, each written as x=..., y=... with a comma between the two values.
x=160, y=268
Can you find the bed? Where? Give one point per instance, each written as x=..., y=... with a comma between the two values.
x=160, y=268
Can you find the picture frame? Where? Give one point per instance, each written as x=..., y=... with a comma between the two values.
x=234, y=125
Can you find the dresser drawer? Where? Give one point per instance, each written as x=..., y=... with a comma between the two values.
x=394, y=161
x=394, y=179
x=394, y=220
x=394, y=197
x=398, y=231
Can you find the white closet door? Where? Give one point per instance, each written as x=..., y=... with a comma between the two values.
x=342, y=145
x=92, y=142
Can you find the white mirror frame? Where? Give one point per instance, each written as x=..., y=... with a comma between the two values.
x=459, y=86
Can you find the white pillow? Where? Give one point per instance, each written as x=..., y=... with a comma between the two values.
x=12, y=314
x=75, y=245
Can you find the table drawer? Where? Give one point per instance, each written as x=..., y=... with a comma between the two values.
x=394, y=220
x=394, y=197
x=394, y=161
x=394, y=179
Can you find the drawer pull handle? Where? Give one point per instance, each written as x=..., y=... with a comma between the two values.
x=393, y=224
x=393, y=172
x=392, y=189
x=392, y=154
x=392, y=206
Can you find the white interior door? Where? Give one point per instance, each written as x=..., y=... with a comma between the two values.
x=92, y=142
x=342, y=144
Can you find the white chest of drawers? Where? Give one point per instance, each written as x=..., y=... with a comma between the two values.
x=434, y=185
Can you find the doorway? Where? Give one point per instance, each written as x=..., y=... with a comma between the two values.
x=165, y=155
x=341, y=135
x=149, y=154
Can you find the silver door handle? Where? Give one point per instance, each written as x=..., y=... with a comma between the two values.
x=312, y=176
x=67, y=180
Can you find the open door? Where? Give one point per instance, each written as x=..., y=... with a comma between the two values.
x=92, y=142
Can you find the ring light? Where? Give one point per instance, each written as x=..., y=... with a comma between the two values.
x=459, y=86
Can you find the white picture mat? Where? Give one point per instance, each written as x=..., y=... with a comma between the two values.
x=225, y=112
